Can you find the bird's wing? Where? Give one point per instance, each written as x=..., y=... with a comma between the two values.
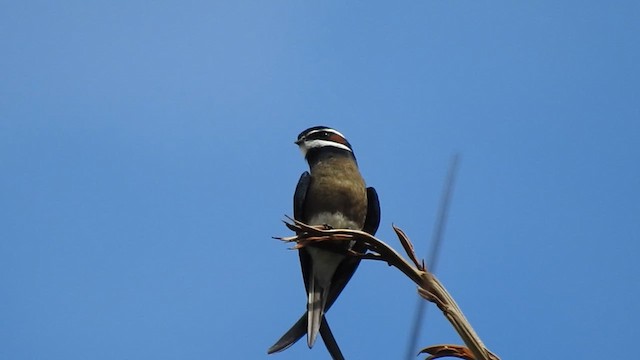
x=298, y=330
x=294, y=334
x=300, y=195
x=372, y=221
x=298, y=213
x=330, y=341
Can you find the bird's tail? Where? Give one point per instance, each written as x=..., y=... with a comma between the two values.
x=315, y=309
x=298, y=330
x=294, y=334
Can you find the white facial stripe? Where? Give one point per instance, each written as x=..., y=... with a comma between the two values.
x=321, y=143
x=326, y=130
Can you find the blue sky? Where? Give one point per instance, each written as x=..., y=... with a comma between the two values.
x=147, y=158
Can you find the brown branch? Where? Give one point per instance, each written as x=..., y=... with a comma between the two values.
x=429, y=287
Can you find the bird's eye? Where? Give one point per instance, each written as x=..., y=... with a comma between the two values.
x=325, y=134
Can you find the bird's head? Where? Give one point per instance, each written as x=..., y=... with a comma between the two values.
x=320, y=138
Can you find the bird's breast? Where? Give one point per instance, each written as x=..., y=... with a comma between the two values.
x=337, y=196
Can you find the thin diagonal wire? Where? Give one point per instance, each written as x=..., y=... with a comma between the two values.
x=436, y=242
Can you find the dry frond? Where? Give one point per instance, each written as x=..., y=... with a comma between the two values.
x=429, y=287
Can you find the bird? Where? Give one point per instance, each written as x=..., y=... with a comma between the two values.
x=332, y=193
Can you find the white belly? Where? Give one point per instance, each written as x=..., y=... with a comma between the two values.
x=335, y=220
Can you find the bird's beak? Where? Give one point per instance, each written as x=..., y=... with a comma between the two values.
x=298, y=142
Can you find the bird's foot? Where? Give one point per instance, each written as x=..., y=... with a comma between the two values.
x=323, y=227
x=327, y=227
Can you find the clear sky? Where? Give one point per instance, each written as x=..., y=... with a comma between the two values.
x=147, y=157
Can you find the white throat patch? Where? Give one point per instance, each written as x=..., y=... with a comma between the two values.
x=312, y=144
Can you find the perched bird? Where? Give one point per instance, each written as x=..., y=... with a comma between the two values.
x=333, y=194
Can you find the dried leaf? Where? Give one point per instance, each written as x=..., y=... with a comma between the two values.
x=445, y=350
x=408, y=247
